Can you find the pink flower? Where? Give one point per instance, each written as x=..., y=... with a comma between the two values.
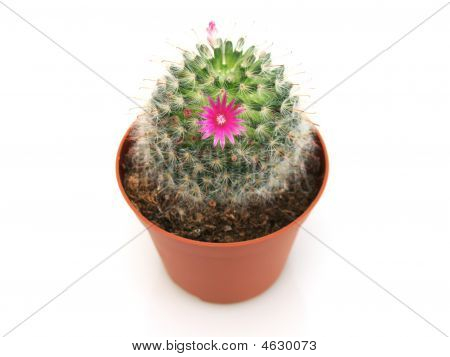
x=221, y=120
x=212, y=31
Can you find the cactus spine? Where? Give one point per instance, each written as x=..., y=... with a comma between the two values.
x=169, y=147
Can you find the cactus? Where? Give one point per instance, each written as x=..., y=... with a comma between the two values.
x=175, y=142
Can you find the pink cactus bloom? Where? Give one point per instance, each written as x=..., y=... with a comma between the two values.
x=221, y=120
x=212, y=31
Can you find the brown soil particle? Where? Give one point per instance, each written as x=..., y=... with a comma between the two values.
x=215, y=222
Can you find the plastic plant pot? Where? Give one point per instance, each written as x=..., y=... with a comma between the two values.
x=223, y=272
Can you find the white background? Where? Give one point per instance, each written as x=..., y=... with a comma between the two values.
x=386, y=207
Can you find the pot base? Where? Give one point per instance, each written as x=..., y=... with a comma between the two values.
x=225, y=276
x=220, y=299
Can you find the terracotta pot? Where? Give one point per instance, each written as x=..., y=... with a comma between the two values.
x=222, y=272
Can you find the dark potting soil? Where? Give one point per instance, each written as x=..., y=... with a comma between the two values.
x=217, y=223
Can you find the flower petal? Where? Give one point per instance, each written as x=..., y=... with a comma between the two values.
x=230, y=137
x=222, y=139
x=206, y=116
x=209, y=111
x=207, y=135
x=224, y=102
x=230, y=106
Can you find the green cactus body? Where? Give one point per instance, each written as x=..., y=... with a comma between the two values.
x=170, y=148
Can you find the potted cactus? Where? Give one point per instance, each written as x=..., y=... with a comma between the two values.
x=223, y=168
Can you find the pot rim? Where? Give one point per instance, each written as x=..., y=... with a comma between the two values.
x=148, y=223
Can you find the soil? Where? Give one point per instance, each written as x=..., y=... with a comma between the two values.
x=214, y=222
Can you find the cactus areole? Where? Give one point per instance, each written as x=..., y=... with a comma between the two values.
x=222, y=133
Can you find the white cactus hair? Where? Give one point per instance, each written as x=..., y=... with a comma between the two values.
x=167, y=148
